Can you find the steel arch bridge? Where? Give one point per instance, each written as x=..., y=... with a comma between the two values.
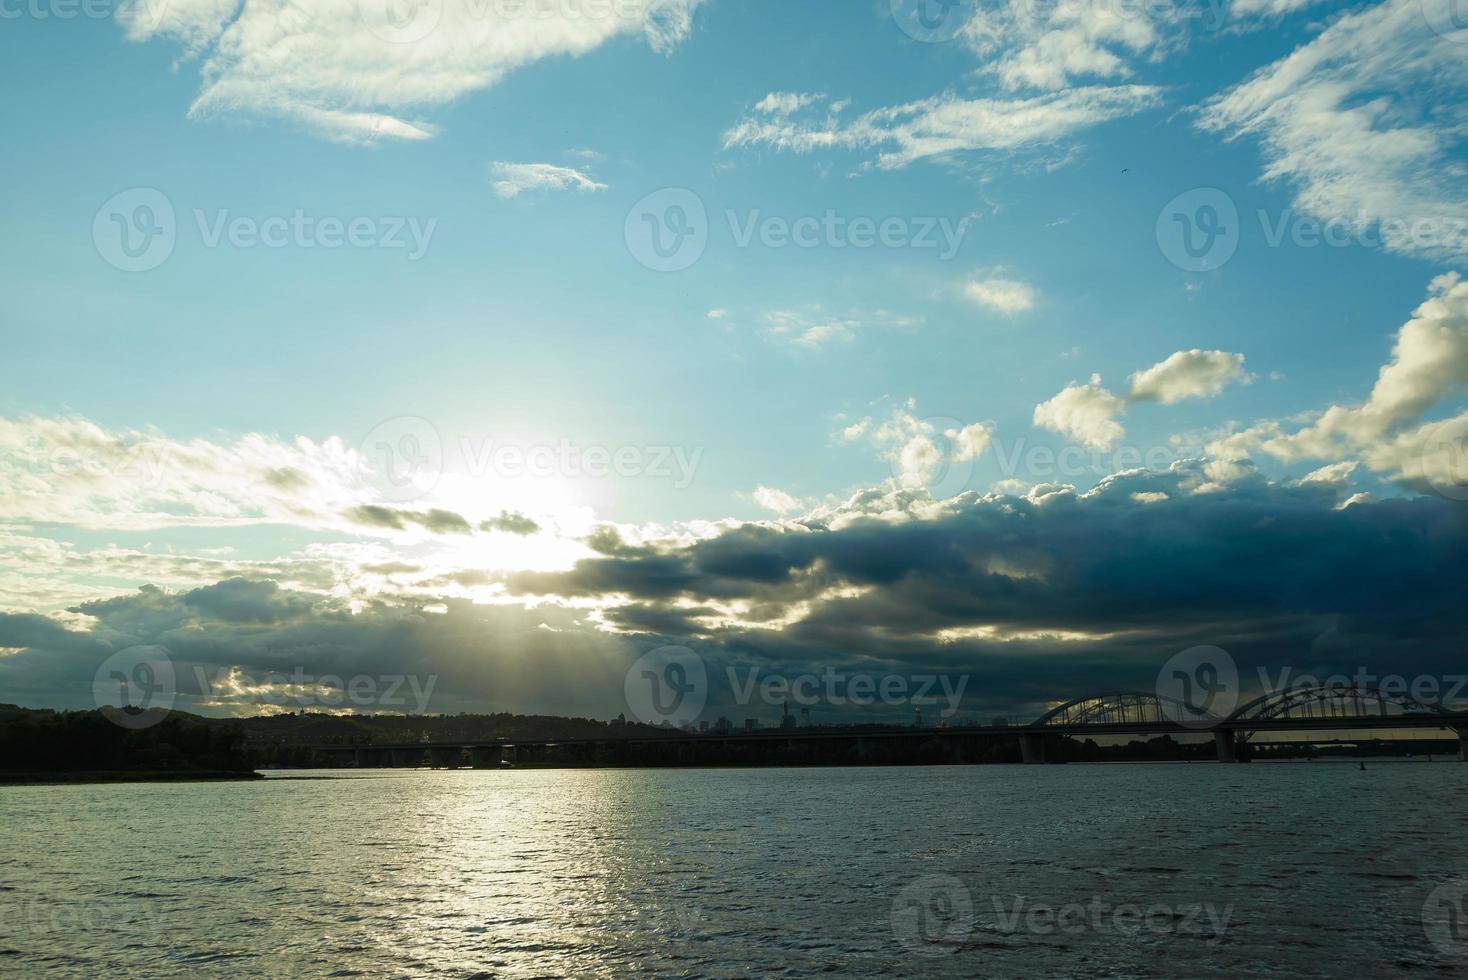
x=1334, y=703
x=1307, y=708
x=1128, y=710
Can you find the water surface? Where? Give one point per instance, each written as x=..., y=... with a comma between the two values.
x=1316, y=870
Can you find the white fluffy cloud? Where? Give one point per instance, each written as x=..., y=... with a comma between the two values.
x=1365, y=123
x=1001, y=294
x=1188, y=374
x=1429, y=364
x=1084, y=412
x=1088, y=413
x=511, y=179
x=352, y=70
x=940, y=126
x=920, y=450
x=775, y=499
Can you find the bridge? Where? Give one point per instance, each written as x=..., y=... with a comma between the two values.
x=1296, y=709
x=1299, y=710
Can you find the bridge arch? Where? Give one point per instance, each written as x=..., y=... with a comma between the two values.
x=1126, y=708
x=1334, y=702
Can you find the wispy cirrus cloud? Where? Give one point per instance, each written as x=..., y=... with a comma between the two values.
x=1001, y=293
x=513, y=179
x=943, y=126
x=359, y=72
x=813, y=326
x=1365, y=124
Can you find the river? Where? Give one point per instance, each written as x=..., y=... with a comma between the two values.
x=1284, y=869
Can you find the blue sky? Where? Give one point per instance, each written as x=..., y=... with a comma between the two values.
x=1058, y=137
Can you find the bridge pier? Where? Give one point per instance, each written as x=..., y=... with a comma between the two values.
x=1227, y=743
x=485, y=757
x=1032, y=748
x=406, y=758
x=444, y=758
x=369, y=758
x=1462, y=731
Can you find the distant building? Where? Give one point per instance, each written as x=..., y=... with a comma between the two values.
x=1000, y=722
x=917, y=716
x=723, y=726
x=703, y=727
x=804, y=717
x=787, y=720
x=751, y=724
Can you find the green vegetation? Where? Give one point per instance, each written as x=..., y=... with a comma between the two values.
x=88, y=744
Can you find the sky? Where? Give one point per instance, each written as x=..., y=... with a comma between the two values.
x=501, y=342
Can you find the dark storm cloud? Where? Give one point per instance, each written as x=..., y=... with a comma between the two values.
x=239, y=600
x=27, y=630
x=1029, y=599
x=435, y=520
x=235, y=645
x=510, y=522
x=287, y=478
x=1081, y=592
x=1100, y=562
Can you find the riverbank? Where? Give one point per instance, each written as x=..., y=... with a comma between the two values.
x=128, y=776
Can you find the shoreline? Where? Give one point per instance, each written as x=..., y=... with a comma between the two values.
x=127, y=776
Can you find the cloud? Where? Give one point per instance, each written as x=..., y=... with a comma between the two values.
x=1362, y=123
x=919, y=450
x=1033, y=597
x=71, y=471
x=1085, y=413
x=511, y=523
x=1130, y=572
x=1269, y=9
x=1001, y=295
x=511, y=179
x=776, y=500
x=435, y=520
x=1051, y=46
x=352, y=71
x=1334, y=475
x=784, y=103
x=1428, y=365
x=1188, y=374
x=942, y=126
x=813, y=326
